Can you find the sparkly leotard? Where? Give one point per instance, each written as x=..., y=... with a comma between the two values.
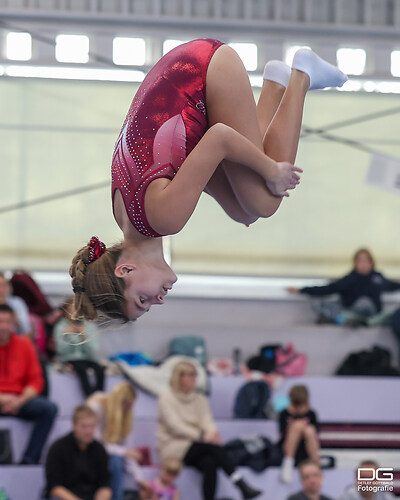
x=166, y=120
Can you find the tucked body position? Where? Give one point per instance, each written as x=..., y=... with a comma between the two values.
x=194, y=127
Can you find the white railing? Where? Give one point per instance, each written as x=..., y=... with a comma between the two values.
x=378, y=14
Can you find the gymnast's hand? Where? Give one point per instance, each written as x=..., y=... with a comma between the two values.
x=284, y=178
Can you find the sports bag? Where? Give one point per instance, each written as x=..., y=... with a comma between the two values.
x=265, y=361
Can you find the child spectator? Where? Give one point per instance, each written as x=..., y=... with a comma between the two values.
x=80, y=355
x=163, y=487
x=299, y=432
x=360, y=294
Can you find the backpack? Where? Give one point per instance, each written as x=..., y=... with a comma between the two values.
x=191, y=346
x=251, y=400
x=289, y=362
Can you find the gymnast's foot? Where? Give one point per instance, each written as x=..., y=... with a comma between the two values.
x=322, y=74
x=285, y=177
x=277, y=71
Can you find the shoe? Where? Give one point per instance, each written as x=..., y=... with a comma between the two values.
x=247, y=491
x=286, y=475
x=25, y=461
x=354, y=323
x=323, y=320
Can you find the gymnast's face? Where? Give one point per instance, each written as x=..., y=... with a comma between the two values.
x=146, y=285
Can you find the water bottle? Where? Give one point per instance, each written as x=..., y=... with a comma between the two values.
x=237, y=358
x=199, y=354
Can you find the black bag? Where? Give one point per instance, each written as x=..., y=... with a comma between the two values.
x=375, y=362
x=251, y=400
x=266, y=360
x=256, y=452
x=5, y=447
x=131, y=495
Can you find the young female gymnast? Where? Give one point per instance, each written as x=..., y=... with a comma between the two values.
x=193, y=126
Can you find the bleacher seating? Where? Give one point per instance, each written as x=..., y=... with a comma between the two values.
x=339, y=401
x=18, y=480
x=369, y=401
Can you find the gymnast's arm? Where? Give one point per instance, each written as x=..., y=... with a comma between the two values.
x=169, y=204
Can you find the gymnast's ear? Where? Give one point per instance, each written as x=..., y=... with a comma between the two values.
x=123, y=270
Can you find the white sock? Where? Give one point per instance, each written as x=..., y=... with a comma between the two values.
x=287, y=469
x=277, y=71
x=322, y=74
x=236, y=476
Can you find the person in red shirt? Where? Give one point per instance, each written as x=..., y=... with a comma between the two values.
x=21, y=382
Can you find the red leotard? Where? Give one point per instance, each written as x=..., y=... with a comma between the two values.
x=166, y=120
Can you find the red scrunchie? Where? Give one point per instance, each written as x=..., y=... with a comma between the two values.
x=96, y=248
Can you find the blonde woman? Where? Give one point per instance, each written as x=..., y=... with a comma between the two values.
x=115, y=419
x=186, y=430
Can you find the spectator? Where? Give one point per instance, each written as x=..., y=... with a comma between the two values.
x=163, y=488
x=364, y=489
x=21, y=382
x=22, y=324
x=360, y=295
x=77, y=465
x=115, y=419
x=299, y=432
x=79, y=354
x=186, y=430
x=311, y=478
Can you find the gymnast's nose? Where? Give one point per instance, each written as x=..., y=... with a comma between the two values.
x=159, y=299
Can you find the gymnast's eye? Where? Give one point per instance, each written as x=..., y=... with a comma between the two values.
x=142, y=300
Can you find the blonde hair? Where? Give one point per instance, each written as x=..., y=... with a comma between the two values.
x=67, y=307
x=82, y=411
x=118, y=423
x=96, y=287
x=172, y=465
x=298, y=395
x=179, y=369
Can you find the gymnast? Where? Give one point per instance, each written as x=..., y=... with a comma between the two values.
x=193, y=126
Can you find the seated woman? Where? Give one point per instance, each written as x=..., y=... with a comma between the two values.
x=360, y=294
x=186, y=430
x=193, y=126
x=115, y=422
x=71, y=350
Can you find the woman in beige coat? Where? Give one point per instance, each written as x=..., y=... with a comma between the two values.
x=186, y=430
